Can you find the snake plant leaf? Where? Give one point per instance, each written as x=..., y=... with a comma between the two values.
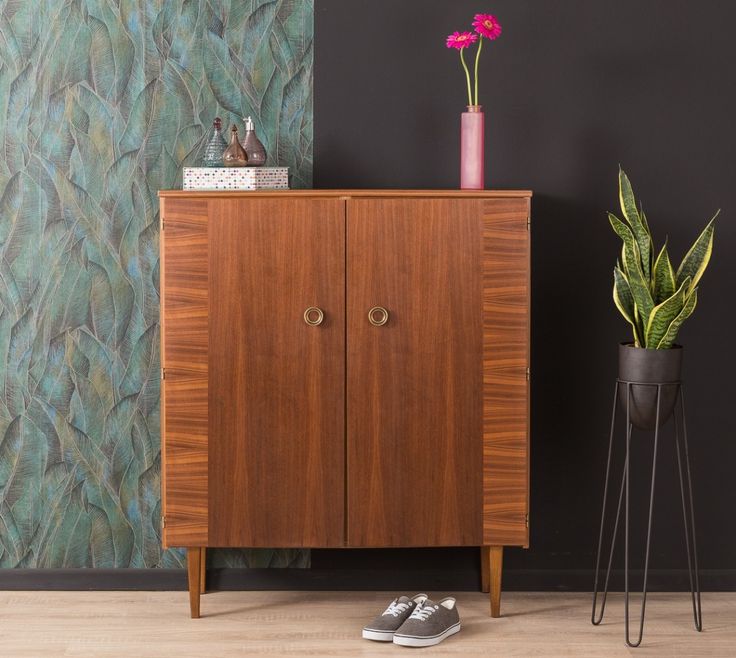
x=632, y=268
x=696, y=260
x=663, y=276
x=624, y=232
x=642, y=296
x=663, y=314
x=631, y=214
x=624, y=300
x=668, y=340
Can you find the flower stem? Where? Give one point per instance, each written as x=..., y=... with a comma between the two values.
x=467, y=76
x=477, y=59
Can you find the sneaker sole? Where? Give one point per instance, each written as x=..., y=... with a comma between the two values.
x=378, y=636
x=415, y=641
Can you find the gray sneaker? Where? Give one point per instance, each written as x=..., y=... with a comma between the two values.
x=429, y=624
x=383, y=627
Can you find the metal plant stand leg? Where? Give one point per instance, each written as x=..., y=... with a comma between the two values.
x=692, y=561
x=649, y=524
x=687, y=510
x=596, y=621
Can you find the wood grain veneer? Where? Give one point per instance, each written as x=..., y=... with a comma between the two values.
x=505, y=379
x=184, y=313
x=414, y=384
x=277, y=429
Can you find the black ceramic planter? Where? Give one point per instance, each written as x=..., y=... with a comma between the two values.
x=636, y=364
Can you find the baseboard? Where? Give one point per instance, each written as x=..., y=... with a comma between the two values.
x=714, y=580
x=581, y=580
x=93, y=579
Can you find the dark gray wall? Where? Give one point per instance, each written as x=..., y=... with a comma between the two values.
x=571, y=89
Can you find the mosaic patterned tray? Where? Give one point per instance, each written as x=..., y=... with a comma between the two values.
x=236, y=178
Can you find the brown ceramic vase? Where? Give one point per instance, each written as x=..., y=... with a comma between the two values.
x=234, y=155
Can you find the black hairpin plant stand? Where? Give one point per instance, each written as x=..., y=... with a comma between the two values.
x=686, y=495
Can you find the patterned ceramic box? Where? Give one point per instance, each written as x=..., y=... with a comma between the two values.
x=236, y=178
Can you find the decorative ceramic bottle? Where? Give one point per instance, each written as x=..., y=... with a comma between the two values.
x=234, y=155
x=214, y=146
x=253, y=146
x=472, y=147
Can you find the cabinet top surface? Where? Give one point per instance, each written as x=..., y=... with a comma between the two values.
x=469, y=194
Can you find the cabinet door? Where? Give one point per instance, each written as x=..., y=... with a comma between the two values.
x=415, y=387
x=276, y=383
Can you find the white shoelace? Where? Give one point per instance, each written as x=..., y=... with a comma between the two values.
x=423, y=612
x=395, y=609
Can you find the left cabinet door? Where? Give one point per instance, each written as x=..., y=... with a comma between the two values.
x=253, y=423
x=276, y=372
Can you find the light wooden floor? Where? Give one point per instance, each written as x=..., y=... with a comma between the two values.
x=154, y=624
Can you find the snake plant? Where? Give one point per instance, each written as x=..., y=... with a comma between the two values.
x=653, y=297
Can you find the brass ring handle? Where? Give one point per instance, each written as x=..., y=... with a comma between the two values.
x=309, y=316
x=383, y=319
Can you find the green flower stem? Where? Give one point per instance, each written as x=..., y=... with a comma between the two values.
x=477, y=59
x=467, y=76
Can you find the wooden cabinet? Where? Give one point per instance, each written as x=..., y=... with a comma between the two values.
x=345, y=368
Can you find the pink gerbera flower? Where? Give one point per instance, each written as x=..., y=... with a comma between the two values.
x=487, y=26
x=460, y=40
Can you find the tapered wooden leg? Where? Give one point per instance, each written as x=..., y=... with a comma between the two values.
x=194, y=567
x=485, y=569
x=496, y=565
x=203, y=571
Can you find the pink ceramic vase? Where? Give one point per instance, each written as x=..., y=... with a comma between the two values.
x=472, y=146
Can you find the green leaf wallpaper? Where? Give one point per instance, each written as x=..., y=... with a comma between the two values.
x=101, y=101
